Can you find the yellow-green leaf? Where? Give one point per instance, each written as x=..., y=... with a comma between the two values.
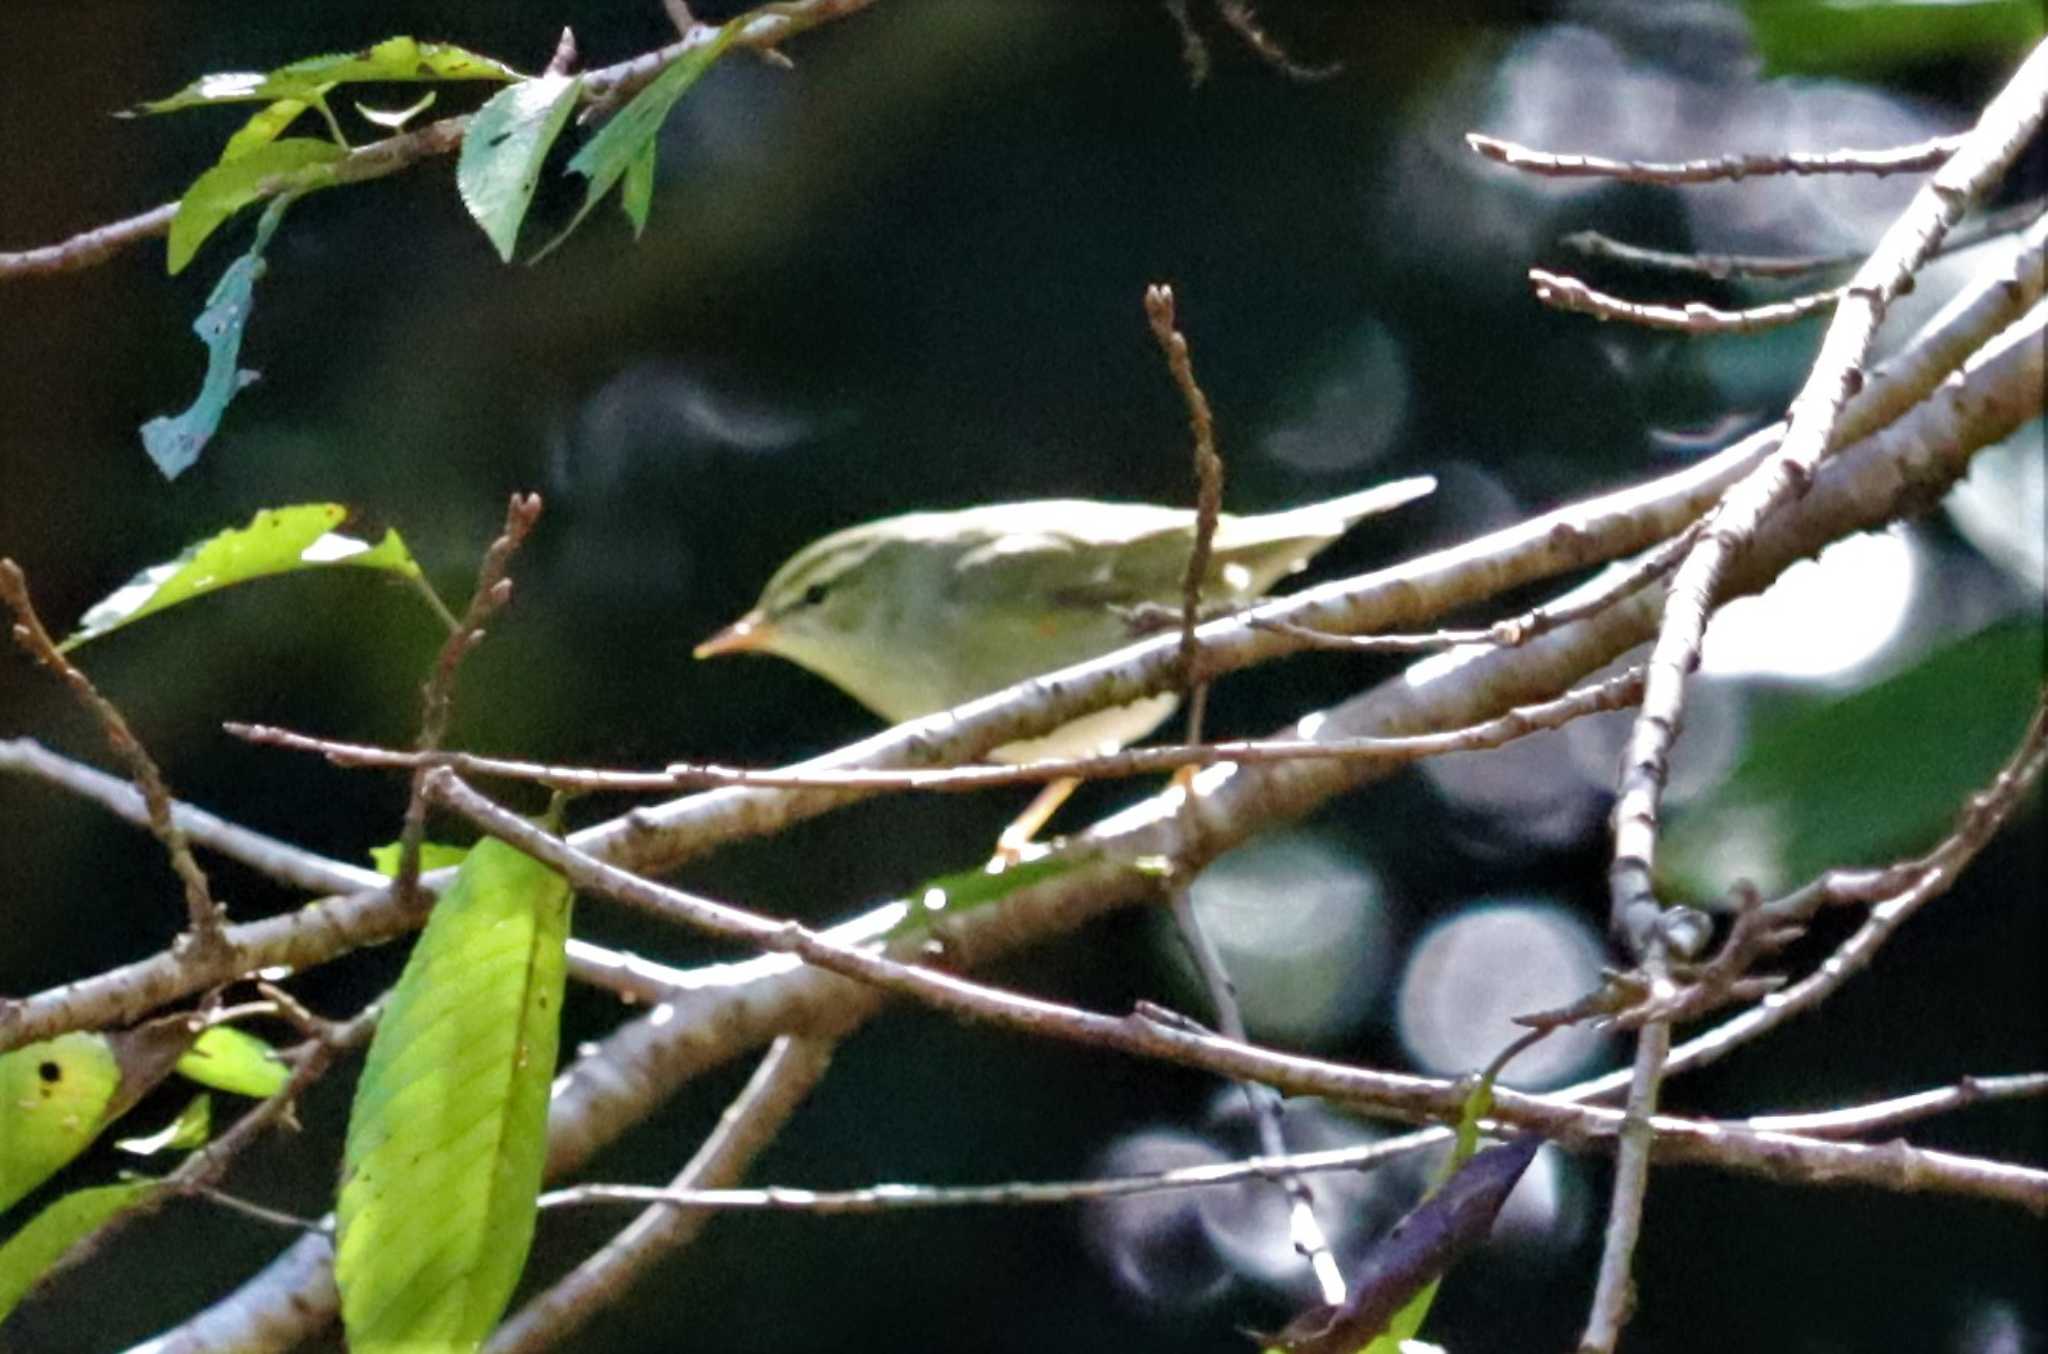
x=433, y=856
x=266, y=124
x=276, y=541
x=398, y=58
x=191, y=1129
x=30, y=1252
x=228, y=1059
x=54, y=1097
x=449, y=1130
x=295, y=165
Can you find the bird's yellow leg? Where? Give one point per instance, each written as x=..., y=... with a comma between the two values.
x=1010, y=846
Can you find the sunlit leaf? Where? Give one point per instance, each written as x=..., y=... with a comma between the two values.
x=433, y=856
x=621, y=142
x=449, y=1129
x=265, y=125
x=1870, y=37
x=289, y=167
x=30, y=1252
x=399, y=58
x=508, y=140
x=276, y=541
x=394, y=119
x=228, y=1059
x=190, y=1130
x=54, y=1097
x=949, y=895
x=1862, y=779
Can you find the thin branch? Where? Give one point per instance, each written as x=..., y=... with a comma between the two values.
x=2008, y=122
x=1882, y=1116
x=1561, y=292
x=1613, y=693
x=604, y=87
x=1194, y=53
x=1723, y=267
x=1622, y=580
x=785, y=1077
x=1922, y=155
x=204, y=918
x=1846, y=1122
x=1393, y=1094
x=628, y=975
x=437, y=699
x=1613, y=1290
x=1238, y=14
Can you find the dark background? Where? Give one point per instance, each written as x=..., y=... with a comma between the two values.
x=908, y=274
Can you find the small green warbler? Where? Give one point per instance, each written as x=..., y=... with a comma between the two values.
x=919, y=613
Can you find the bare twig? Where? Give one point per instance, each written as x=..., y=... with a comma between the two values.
x=1560, y=292
x=1895, y=160
x=204, y=918
x=1613, y=1291
x=605, y=87
x=1245, y=24
x=1194, y=53
x=437, y=698
x=1837, y=375
x=1846, y=1122
x=1882, y=1116
x=628, y=975
x=1613, y=693
x=1393, y=1094
x=793, y=1066
x=1722, y=267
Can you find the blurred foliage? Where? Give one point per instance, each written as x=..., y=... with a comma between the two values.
x=1872, y=37
x=1865, y=777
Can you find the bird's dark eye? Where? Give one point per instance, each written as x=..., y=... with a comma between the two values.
x=813, y=595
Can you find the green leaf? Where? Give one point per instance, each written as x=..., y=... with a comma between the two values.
x=1873, y=37
x=949, y=895
x=191, y=1129
x=295, y=165
x=276, y=541
x=265, y=125
x=30, y=1252
x=449, y=1131
x=625, y=140
x=393, y=59
x=54, y=1098
x=228, y=1059
x=433, y=856
x=508, y=140
x=1863, y=779
x=636, y=194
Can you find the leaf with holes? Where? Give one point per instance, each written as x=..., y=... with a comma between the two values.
x=394, y=59
x=449, y=1131
x=276, y=541
x=508, y=140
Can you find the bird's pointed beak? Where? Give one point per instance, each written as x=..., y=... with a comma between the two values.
x=751, y=633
